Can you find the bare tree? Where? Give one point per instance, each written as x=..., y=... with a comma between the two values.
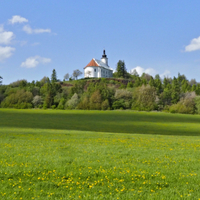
x=66, y=76
x=88, y=73
x=192, y=82
x=76, y=73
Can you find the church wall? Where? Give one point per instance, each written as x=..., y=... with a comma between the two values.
x=97, y=72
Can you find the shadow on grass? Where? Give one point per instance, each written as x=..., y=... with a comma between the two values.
x=100, y=121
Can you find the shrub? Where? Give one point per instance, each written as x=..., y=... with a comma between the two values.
x=119, y=104
x=19, y=99
x=186, y=105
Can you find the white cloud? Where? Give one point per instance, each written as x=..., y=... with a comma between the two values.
x=5, y=36
x=34, y=61
x=150, y=71
x=17, y=19
x=1, y=28
x=141, y=70
x=29, y=30
x=6, y=52
x=165, y=74
x=194, y=45
x=42, y=30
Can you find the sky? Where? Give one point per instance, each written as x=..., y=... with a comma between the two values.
x=151, y=36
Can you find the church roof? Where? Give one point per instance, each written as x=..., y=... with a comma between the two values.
x=92, y=63
x=97, y=63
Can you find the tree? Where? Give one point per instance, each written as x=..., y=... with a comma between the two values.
x=76, y=73
x=88, y=73
x=134, y=73
x=73, y=102
x=121, y=69
x=37, y=100
x=1, y=80
x=66, y=76
x=144, y=98
x=175, y=91
x=53, y=76
x=96, y=100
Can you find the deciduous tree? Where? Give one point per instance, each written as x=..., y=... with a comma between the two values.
x=76, y=73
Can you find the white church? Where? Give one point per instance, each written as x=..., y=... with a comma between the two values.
x=98, y=68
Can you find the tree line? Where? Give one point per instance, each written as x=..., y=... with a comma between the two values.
x=123, y=91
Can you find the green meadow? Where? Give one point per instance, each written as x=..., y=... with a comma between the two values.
x=50, y=154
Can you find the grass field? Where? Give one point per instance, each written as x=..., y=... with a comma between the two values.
x=98, y=155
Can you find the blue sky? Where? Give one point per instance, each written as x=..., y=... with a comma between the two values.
x=156, y=37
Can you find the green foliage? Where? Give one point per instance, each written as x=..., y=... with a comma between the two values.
x=175, y=95
x=20, y=99
x=20, y=83
x=119, y=104
x=197, y=104
x=104, y=93
x=105, y=105
x=84, y=103
x=144, y=98
x=78, y=88
x=95, y=100
x=1, y=80
x=61, y=104
x=53, y=76
x=130, y=84
x=121, y=71
x=186, y=105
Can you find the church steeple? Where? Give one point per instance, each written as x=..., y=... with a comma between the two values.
x=104, y=54
x=104, y=58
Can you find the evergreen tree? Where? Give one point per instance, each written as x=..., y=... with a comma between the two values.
x=53, y=76
x=158, y=84
x=175, y=91
x=121, y=71
x=151, y=82
x=1, y=80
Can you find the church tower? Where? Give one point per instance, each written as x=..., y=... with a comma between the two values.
x=104, y=58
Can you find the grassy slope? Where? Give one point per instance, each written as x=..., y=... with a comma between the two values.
x=39, y=162
x=100, y=121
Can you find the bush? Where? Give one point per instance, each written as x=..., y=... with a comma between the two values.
x=186, y=105
x=120, y=104
x=19, y=99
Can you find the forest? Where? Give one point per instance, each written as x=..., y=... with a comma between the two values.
x=123, y=91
